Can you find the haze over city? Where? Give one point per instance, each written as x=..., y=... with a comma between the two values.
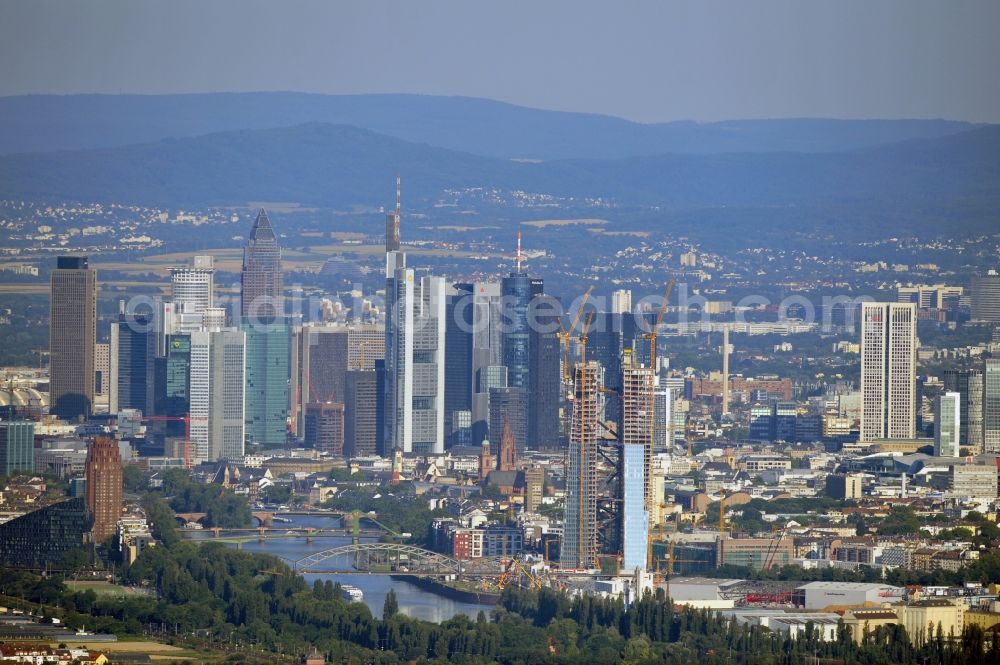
x=515, y=333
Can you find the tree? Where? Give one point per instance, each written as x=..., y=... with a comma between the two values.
x=391, y=606
x=133, y=478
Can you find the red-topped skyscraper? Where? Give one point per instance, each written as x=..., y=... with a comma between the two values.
x=261, y=277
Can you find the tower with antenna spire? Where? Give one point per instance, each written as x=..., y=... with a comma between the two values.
x=518, y=259
x=392, y=243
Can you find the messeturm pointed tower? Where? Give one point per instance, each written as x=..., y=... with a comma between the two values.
x=261, y=278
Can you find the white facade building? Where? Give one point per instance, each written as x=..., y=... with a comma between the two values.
x=888, y=371
x=947, y=424
x=414, y=358
x=218, y=361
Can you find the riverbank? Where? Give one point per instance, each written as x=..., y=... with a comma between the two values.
x=438, y=587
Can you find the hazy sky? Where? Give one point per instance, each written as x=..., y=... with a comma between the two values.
x=649, y=61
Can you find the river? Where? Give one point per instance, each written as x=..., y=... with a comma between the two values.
x=413, y=602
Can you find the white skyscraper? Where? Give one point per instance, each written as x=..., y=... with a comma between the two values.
x=193, y=286
x=947, y=424
x=192, y=291
x=621, y=301
x=218, y=361
x=414, y=359
x=888, y=370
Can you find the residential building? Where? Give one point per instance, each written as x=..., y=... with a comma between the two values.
x=72, y=337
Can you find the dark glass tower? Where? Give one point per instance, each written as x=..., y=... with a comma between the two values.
x=133, y=340
x=458, y=368
x=261, y=277
x=72, y=337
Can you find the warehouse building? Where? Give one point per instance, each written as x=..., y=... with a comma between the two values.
x=819, y=595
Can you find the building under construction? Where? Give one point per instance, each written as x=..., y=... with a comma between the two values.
x=579, y=545
x=636, y=461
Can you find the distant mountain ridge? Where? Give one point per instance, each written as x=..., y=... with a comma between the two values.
x=45, y=123
x=949, y=183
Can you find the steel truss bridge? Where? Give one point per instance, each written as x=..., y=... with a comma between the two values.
x=402, y=559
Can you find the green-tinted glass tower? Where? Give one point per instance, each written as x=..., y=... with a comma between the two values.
x=267, y=374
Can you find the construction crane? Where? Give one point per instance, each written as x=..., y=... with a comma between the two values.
x=652, y=334
x=564, y=333
x=772, y=548
x=510, y=572
x=186, y=419
x=584, y=334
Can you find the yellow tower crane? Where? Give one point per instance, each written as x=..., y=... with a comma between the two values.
x=564, y=333
x=653, y=332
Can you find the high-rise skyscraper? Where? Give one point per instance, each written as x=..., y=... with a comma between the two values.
x=173, y=384
x=888, y=370
x=261, y=279
x=458, y=374
x=517, y=291
x=322, y=355
x=986, y=297
x=392, y=238
x=72, y=337
x=634, y=511
x=360, y=418
x=267, y=375
x=662, y=431
x=17, y=446
x=969, y=384
x=103, y=471
x=947, y=424
x=621, y=301
x=487, y=350
x=609, y=337
x=637, y=419
x=991, y=406
x=133, y=355
x=194, y=286
x=414, y=359
x=218, y=361
x=545, y=385
x=579, y=544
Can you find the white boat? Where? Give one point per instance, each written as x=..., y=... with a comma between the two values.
x=351, y=594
